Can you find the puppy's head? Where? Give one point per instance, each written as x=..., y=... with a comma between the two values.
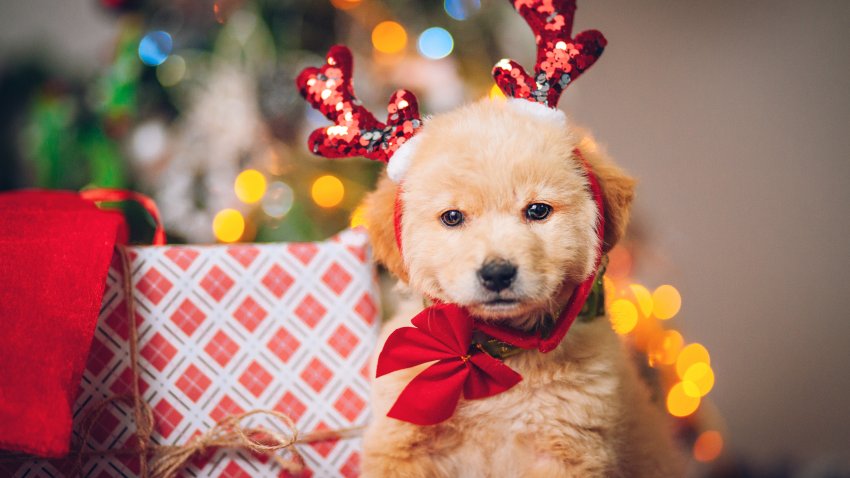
x=497, y=212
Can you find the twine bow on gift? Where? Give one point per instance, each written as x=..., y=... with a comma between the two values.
x=164, y=461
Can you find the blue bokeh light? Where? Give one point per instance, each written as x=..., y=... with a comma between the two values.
x=461, y=9
x=436, y=43
x=155, y=48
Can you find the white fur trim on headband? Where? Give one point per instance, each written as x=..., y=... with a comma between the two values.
x=400, y=161
x=538, y=110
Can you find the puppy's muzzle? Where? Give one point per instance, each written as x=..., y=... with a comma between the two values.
x=497, y=275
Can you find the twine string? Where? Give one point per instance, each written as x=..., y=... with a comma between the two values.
x=142, y=412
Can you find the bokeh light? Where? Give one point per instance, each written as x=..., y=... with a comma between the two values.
x=228, y=225
x=436, y=43
x=148, y=141
x=155, y=48
x=664, y=348
x=278, y=199
x=690, y=355
x=389, y=37
x=624, y=316
x=619, y=263
x=327, y=191
x=461, y=9
x=701, y=376
x=218, y=12
x=679, y=403
x=643, y=298
x=496, y=93
x=708, y=446
x=358, y=217
x=172, y=71
x=345, y=4
x=250, y=186
x=667, y=302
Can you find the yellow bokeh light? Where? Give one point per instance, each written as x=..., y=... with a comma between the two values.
x=496, y=93
x=171, y=71
x=665, y=348
x=691, y=389
x=701, y=376
x=667, y=302
x=679, y=403
x=250, y=186
x=690, y=355
x=228, y=225
x=644, y=298
x=327, y=191
x=623, y=316
x=358, y=217
x=389, y=37
x=345, y=4
x=708, y=446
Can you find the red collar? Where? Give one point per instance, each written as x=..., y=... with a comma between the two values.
x=443, y=333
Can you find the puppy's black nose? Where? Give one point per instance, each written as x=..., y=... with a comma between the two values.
x=497, y=275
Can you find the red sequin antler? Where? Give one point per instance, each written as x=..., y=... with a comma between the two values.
x=560, y=58
x=356, y=131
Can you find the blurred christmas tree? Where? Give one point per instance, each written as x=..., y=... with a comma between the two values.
x=198, y=107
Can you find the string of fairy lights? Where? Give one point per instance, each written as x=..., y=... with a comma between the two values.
x=640, y=315
x=685, y=372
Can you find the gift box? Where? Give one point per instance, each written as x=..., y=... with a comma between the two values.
x=220, y=331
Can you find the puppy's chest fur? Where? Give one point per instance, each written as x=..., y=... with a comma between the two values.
x=568, y=403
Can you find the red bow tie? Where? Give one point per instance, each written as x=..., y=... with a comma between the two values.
x=443, y=333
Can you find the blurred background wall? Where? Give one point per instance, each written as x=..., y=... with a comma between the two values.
x=735, y=117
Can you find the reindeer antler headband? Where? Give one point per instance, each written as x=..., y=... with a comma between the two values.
x=356, y=132
x=560, y=58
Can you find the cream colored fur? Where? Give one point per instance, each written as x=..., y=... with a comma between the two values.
x=581, y=410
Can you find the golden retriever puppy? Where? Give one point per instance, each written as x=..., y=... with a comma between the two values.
x=496, y=186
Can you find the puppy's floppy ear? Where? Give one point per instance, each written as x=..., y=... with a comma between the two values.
x=380, y=211
x=617, y=190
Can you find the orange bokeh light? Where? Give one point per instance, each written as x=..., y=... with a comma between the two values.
x=702, y=378
x=643, y=298
x=623, y=315
x=680, y=403
x=345, y=4
x=690, y=355
x=358, y=218
x=619, y=263
x=389, y=37
x=496, y=93
x=708, y=446
x=664, y=348
x=328, y=191
x=667, y=302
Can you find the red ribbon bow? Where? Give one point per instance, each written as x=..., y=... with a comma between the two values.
x=442, y=333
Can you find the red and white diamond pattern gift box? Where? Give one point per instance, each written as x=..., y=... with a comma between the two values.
x=228, y=329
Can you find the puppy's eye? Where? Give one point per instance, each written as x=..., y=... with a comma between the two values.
x=452, y=218
x=537, y=211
